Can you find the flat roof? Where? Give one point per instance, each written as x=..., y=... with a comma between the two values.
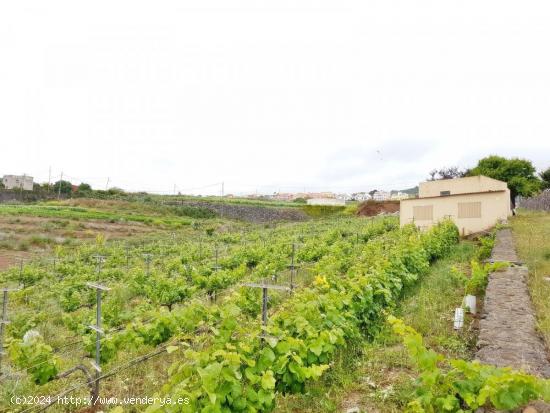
x=463, y=178
x=451, y=195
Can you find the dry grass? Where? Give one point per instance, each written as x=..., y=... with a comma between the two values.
x=532, y=236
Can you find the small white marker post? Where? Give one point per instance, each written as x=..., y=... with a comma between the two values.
x=470, y=303
x=459, y=318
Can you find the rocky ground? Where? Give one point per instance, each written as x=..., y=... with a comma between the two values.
x=251, y=213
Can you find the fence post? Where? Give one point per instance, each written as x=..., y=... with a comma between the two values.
x=99, y=332
x=127, y=257
x=147, y=258
x=265, y=287
x=264, y=306
x=292, y=267
x=99, y=259
x=4, y=321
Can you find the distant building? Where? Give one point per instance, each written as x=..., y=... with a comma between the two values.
x=361, y=196
x=283, y=196
x=311, y=195
x=399, y=196
x=474, y=203
x=345, y=197
x=381, y=196
x=18, y=182
x=326, y=201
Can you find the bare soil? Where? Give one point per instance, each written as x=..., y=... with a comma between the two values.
x=373, y=208
x=27, y=237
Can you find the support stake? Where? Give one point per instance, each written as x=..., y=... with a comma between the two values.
x=265, y=298
x=99, y=332
x=4, y=321
x=147, y=258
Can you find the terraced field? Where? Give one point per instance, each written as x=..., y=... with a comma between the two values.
x=208, y=314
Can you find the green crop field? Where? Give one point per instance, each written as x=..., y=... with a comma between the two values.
x=182, y=318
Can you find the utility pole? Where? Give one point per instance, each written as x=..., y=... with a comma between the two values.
x=99, y=332
x=222, y=199
x=21, y=186
x=59, y=189
x=4, y=321
x=49, y=178
x=107, y=184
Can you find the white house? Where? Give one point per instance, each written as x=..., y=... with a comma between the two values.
x=474, y=203
x=360, y=196
x=381, y=196
x=24, y=182
x=326, y=201
x=399, y=196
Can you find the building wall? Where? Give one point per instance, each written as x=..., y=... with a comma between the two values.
x=399, y=196
x=470, y=212
x=18, y=182
x=460, y=186
x=326, y=201
x=381, y=196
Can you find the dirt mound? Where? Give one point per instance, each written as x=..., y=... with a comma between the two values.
x=372, y=208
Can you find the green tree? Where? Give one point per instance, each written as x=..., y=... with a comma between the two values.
x=446, y=173
x=115, y=191
x=545, y=177
x=519, y=174
x=84, y=187
x=66, y=187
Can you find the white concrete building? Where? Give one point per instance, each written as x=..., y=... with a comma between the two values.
x=399, y=196
x=326, y=201
x=360, y=196
x=24, y=182
x=474, y=203
x=381, y=196
x=345, y=197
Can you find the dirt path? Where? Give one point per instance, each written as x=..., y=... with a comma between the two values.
x=508, y=335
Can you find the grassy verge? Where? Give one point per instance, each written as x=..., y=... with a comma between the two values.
x=80, y=213
x=532, y=235
x=377, y=376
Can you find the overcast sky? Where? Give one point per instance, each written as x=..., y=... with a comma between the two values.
x=270, y=95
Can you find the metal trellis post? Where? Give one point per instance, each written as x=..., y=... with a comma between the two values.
x=147, y=258
x=127, y=257
x=292, y=267
x=99, y=259
x=4, y=321
x=265, y=298
x=99, y=332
